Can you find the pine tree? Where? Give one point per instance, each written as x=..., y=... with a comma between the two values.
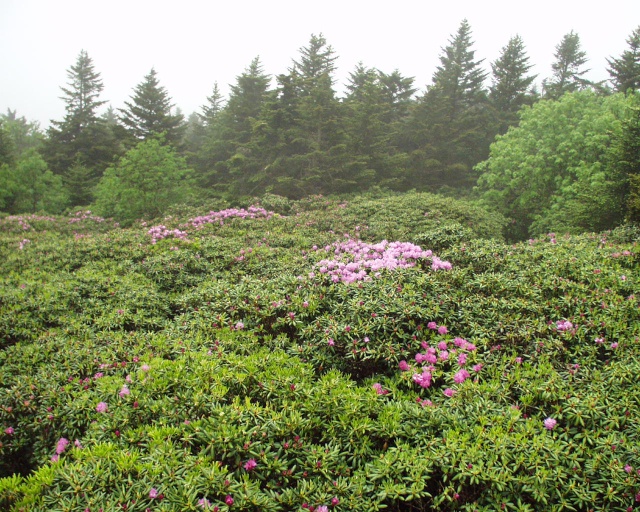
x=567, y=68
x=453, y=124
x=511, y=88
x=211, y=111
x=148, y=114
x=625, y=70
x=82, y=137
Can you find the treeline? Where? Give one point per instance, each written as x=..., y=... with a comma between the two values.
x=294, y=136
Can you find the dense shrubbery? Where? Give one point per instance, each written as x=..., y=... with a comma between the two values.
x=215, y=366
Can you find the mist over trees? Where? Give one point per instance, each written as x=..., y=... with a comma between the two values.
x=473, y=132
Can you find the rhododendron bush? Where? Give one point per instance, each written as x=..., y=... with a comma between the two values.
x=320, y=359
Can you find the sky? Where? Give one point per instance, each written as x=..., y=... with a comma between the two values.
x=194, y=44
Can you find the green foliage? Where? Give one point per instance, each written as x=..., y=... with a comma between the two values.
x=551, y=173
x=144, y=183
x=29, y=186
x=198, y=371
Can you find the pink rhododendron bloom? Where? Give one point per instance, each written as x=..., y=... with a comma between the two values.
x=379, y=390
x=518, y=360
x=432, y=325
x=564, y=325
x=9, y=431
x=461, y=376
x=239, y=326
x=102, y=407
x=423, y=379
x=228, y=500
x=462, y=359
x=250, y=465
x=614, y=344
x=449, y=392
x=62, y=445
x=335, y=502
x=153, y=493
x=330, y=342
x=322, y=508
x=77, y=443
x=477, y=367
x=403, y=365
x=442, y=330
x=443, y=355
x=599, y=341
x=145, y=368
x=55, y=458
x=204, y=503
x=124, y=392
x=442, y=345
x=550, y=423
x=628, y=468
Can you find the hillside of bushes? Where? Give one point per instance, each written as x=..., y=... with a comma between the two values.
x=378, y=352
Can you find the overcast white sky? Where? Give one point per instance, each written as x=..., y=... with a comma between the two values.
x=193, y=44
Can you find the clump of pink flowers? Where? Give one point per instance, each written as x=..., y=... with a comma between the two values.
x=160, y=232
x=212, y=217
x=564, y=325
x=250, y=465
x=549, y=423
x=102, y=407
x=355, y=260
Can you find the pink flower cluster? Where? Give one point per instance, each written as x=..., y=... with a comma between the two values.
x=219, y=217
x=354, y=259
x=86, y=215
x=440, y=354
x=160, y=232
x=564, y=325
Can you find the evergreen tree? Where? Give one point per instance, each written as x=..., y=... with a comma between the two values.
x=82, y=137
x=511, y=88
x=148, y=114
x=567, y=68
x=375, y=104
x=625, y=70
x=453, y=124
x=211, y=111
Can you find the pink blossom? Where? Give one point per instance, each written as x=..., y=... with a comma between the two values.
x=403, y=365
x=239, y=326
x=153, y=493
x=102, y=407
x=145, y=367
x=250, y=465
x=55, y=458
x=62, y=445
x=330, y=342
x=462, y=359
x=442, y=345
x=204, y=503
x=322, y=508
x=335, y=502
x=564, y=325
x=550, y=423
x=9, y=431
x=442, y=330
x=379, y=390
x=461, y=376
x=423, y=380
x=228, y=500
x=614, y=345
x=432, y=325
x=77, y=443
x=518, y=360
x=449, y=392
x=124, y=392
x=628, y=468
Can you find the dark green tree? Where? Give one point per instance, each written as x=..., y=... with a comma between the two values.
x=453, y=123
x=149, y=113
x=567, y=69
x=215, y=103
x=625, y=70
x=374, y=106
x=315, y=157
x=511, y=87
x=82, y=136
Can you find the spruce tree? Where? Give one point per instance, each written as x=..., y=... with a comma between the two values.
x=511, y=88
x=625, y=70
x=82, y=137
x=567, y=69
x=453, y=124
x=149, y=113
